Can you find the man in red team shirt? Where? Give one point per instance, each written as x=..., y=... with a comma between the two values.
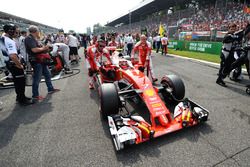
x=113, y=42
x=164, y=45
x=94, y=59
x=143, y=48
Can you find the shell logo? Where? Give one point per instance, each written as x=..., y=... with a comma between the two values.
x=156, y=105
x=150, y=92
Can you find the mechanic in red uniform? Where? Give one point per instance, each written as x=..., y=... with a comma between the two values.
x=94, y=58
x=143, y=49
x=113, y=42
x=113, y=45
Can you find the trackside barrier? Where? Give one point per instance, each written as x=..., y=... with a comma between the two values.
x=194, y=46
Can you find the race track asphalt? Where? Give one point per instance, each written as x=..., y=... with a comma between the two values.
x=66, y=130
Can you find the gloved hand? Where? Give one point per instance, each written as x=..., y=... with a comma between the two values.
x=111, y=74
x=141, y=68
x=103, y=71
x=90, y=72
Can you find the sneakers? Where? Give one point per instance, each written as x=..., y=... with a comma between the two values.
x=38, y=98
x=74, y=62
x=234, y=79
x=53, y=91
x=221, y=82
x=26, y=102
x=91, y=86
x=27, y=98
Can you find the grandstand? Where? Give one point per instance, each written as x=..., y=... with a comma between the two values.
x=23, y=23
x=207, y=19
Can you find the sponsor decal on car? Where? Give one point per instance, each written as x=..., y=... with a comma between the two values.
x=149, y=92
x=153, y=99
x=156, y=105
x=120, y=74
x=159, y=113
x=157, y=109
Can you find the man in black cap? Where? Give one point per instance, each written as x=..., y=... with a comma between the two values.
x=14, y=64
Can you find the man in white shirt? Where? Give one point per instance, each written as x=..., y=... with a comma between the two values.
x=14, y=64
x=130, y=41
x=158, y=42
x=22, y=46
x=73, y=44
x=150, y=40
x=164, y=45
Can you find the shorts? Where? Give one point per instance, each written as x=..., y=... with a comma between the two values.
x=73, y=51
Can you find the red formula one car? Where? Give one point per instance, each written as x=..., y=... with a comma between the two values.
x=121, y=84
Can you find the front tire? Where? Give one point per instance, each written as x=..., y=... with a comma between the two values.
x=109, y=99
x=174, y=86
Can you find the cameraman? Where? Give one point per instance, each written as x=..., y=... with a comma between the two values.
x=227, y=53
x=237, y=45
x=232, y=43
x=14, y=64
x=245, y=55
x=33, y=48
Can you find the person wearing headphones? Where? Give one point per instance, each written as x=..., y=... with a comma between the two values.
x=94, y=57
x=14, y=64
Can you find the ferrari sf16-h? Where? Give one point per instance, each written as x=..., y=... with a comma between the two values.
x=122, y=83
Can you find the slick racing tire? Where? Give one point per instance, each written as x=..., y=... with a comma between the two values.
x=109, y=100
x=175, y=86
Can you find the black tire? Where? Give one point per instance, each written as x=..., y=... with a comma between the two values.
x=176, y=84
x=109, y=99
x=248, y=90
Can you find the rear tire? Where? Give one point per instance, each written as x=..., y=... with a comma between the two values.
x=176, y=84
x=109, y=99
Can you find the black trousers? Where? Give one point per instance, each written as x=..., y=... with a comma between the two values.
x=158, y=45
x=225, y=65
x=241, y=61
x=154, y=43
x=130, y=47
x=19, y=81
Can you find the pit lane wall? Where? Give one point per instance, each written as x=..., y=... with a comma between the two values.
x=196, y=46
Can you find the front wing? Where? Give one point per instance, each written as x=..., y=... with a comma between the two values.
x=134, y=129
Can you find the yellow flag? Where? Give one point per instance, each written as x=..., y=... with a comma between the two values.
x=161, y=30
